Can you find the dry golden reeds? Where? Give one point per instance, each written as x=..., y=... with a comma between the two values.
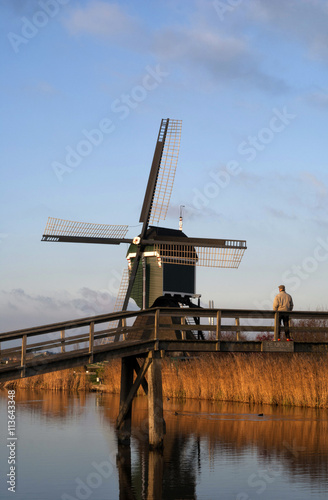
x=297, y=380
x=282, y=379
x=279, y=379
x=65, y=380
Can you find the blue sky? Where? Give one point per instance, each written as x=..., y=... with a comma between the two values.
x=248, y=79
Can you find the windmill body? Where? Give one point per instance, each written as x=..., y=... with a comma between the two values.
x=161, y=260
x=155, y=278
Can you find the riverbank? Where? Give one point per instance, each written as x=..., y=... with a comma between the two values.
x=282, y=379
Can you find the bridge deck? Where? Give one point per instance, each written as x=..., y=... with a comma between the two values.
x=74, y=343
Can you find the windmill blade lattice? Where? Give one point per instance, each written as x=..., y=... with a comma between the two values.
x=120, y=296
x=66, y=230
x=228, y=256
x=166, y=174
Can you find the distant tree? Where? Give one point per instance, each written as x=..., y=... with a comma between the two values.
x=306, y=335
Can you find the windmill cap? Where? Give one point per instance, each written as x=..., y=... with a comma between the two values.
x=281, y=287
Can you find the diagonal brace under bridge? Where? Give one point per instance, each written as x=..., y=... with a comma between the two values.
x=140, y=380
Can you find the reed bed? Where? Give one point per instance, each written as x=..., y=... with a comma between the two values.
x=282, y=379
x=72, y=380
x=297, y=380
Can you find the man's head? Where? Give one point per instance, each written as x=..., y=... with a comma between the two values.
x=281, y=288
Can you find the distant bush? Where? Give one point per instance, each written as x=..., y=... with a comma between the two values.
x=264, y=336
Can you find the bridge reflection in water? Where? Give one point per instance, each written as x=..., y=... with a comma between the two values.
x=287, y=441
x=212, y=449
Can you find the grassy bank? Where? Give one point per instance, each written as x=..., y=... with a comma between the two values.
x=282, y=379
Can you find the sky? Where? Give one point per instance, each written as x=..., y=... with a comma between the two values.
x=84, y=87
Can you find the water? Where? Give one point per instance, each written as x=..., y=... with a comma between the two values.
x=66, y=449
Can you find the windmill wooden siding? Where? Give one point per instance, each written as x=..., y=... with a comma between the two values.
x=154, y=282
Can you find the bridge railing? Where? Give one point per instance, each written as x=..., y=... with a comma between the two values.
x=81, y=335
x=89, y=335
x=235, y=324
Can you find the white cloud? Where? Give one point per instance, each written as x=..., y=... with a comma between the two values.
x=222, y=57
x=317, y=98
x=319, y=186
x=101, y=19
x=195, y=46
x=303, y=20
x=21, y=309
x=280, y=214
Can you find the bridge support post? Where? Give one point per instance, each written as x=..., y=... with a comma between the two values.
x=155, y=403
x=124, y=429
x=23, y=356
x=276, y=326
x=237, y=323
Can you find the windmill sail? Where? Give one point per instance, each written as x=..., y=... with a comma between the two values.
x=84, y=232
x=228, y=256
x=120, y=297
x=161, y=178
x=206, y=252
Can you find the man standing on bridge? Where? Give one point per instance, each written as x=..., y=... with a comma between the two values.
x=283, y=302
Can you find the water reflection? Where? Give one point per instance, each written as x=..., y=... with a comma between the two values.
x=50, y=404
x=282, y=453
x=286, y=441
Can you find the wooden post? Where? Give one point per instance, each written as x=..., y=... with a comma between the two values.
x=123, y=326
x=183, y=332
x=155, y=475
x=23, y=355
x=62, y=339
x=91, y=339
x=156, y=326
x=218, y=326
x=155, y=403
x=238, y=332
x=124, y=429
x=276, y=326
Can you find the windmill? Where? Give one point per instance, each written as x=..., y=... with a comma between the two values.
x=161, y=260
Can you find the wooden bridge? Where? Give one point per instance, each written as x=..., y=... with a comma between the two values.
x=142, y=338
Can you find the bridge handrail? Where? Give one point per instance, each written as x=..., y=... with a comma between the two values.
x=67, y=325
x=165, y=311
